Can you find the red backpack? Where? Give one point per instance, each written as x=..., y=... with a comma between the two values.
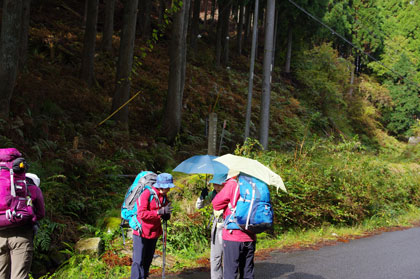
x=15, y=203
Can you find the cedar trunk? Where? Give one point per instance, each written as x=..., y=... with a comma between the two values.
x=125, y=61
x=23, y=51
x=108, y=25
x=88, y=54
x=195, y=25
x=9, y=52
x=267, y=67
x=177, y=56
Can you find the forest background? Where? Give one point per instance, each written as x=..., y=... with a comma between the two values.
x=335, y=99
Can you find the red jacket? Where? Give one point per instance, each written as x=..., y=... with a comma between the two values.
x=221, y=201
x=147, y=214
x=37, y=201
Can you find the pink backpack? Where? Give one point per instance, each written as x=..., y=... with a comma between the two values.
x=15, y=203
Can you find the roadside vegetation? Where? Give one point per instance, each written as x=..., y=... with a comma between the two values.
x=337, y=191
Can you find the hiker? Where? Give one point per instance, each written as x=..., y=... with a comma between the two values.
x=16, y=243
x=216, y=246
x=238, y=245
x=150, y=212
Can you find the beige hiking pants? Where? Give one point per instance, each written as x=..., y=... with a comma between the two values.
x=16, y=249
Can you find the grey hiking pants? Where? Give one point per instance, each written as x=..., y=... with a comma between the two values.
x=216, y=252
x=16, y=250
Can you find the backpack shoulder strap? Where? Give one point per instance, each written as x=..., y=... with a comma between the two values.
x=231, y=207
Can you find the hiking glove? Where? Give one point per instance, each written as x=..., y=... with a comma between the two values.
x=204, y=193
x=167, y=209
x=166, y=217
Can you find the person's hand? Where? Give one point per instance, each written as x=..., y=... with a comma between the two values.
x=166, y=217
x=204, y=193
x=167, y=209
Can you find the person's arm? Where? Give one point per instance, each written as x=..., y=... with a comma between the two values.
x=202, y=202
x=143, y=208
x=222, y=199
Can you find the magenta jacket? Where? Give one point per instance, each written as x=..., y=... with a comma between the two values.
x=147, y=214
x=221, y=201
x=37, y=201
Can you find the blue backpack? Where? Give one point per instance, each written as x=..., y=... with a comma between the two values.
x=144, y=180
x=253, y=211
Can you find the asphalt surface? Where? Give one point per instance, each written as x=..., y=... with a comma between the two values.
x=390, y=255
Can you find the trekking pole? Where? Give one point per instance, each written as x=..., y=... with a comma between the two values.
x=164, y=248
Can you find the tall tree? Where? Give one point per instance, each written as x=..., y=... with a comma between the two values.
x=213, y=9
x=222, y=41
x=144, y=23
x=125, y=61
x=240, y=28
x=88, y=53
x=300, y=27
x=11, y=27
x=195, y=24
x=177, y=57
x=251, y=71
x=206, y=7
x=108, y=25
x=23, y=51
x=247, y=21
x=267, y=67
x=289, y=49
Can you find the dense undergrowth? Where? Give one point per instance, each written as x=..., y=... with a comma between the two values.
x=330, y=185
x=339, y=166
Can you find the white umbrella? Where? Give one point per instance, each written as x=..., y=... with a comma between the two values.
x=237, y=164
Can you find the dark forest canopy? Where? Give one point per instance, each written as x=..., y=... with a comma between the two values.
x=381, y=40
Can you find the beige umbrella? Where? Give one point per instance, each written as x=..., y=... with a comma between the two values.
x=237, y=164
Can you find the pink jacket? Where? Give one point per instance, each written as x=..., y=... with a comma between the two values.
x=147, y=214
x=37, y=201
x=221, y=201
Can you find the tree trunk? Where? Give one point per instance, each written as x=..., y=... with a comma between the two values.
x=184, y=52
x=144, y=23
x=225, y=14
x=85, y=13
x=172, y=117
x=195, y=25
x=125, y=61
x=88, y=54
x=219, y=36
x=23, y=51
x=108, y=25
x=9, y=53
x=247, y=22
x=206, y=5
x=289, y=49
x=267, y=67
x=251, y=71
x=240, y=28
x=276, y=23
x=350, y=93
x=147, y=22
x=213, y=9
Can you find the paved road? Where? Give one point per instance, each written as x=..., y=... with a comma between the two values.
x=390, y=255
